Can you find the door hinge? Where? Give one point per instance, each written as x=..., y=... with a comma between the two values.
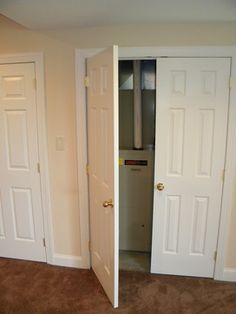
x=215, y=255
x=223, y=175
x=44, y=242
x=86, y=81
x=87, y=169
x=38, y=167
x=35, y=83
x=89, y=246
x=230, y=82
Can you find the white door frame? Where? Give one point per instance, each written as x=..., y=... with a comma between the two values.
x=37, y=59
x=221, y=273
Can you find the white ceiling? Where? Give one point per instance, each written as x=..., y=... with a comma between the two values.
x=59, y=14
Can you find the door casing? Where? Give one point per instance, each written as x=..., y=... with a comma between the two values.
x=230, y=161
x=37, y=59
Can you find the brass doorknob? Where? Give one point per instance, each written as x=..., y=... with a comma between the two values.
x=160, y=186
x=108, y=203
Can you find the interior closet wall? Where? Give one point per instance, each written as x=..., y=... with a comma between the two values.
x=137, y=93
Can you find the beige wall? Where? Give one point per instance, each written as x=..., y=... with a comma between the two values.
x=231, y=247
x=60, y=101
x=58, y=48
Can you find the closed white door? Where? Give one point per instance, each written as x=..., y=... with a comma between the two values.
x=191, y=126
x=102, y=108
x=21, y=221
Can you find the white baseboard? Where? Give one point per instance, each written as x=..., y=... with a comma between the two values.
x=67, y=260
x=229, y=274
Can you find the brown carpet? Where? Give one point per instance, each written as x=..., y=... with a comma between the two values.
x=28, y=287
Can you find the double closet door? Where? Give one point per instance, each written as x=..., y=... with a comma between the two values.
x=191, y=130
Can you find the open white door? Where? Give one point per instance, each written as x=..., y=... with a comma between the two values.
x=191, y=126
x=103, y=154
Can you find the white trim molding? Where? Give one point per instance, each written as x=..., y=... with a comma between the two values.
x=68, y=260
x=81, y=126
x=229, y=274
x=221, y=273
x=37, y=59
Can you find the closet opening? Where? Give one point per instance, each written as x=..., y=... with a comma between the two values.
x=137, y=106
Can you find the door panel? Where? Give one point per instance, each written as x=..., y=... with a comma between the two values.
x=191, y=124
x=22, y=212
x=176, y=142
x=102, y=101
x=205, y=142
x=21, y=217
x=16, y=139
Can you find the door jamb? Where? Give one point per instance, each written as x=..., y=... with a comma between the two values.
x=82, y=161
x=37, y=59
x=230, y=160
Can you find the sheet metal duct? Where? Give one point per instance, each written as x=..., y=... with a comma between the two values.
x=137, y=105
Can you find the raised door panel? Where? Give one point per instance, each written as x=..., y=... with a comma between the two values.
x=172, y=224
x=178, y=84
x=176, y=142
x=16, y=139
x=104, y=146
x=13, y=87
x=205, y=131
x=22, y=211
x=199, y=225
x=208, y=83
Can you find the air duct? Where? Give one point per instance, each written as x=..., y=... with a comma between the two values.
x=137, y=105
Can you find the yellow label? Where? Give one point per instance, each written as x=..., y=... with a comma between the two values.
x=121, y=161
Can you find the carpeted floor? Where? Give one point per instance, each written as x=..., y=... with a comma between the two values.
x=28, y=287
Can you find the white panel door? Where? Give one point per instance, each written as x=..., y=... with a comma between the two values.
x=103, y=158
x=191, y=125
x=21, y=221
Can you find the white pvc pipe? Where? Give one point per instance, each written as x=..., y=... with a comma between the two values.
x=137, y=105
